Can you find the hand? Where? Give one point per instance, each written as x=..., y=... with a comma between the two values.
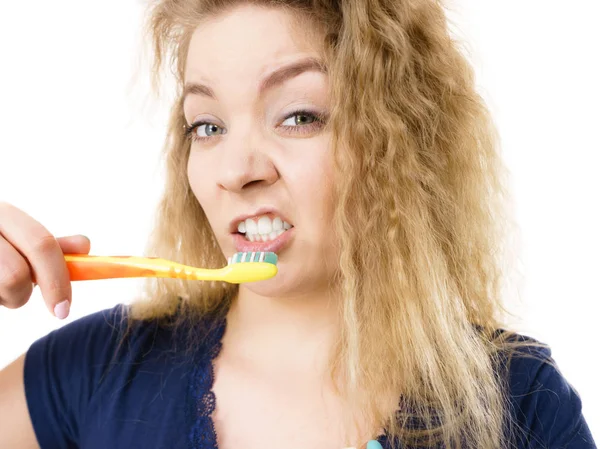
x=27, y=252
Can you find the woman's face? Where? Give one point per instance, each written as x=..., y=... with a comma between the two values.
x=256, y=104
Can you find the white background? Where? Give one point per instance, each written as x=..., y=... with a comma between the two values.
x=80, y=141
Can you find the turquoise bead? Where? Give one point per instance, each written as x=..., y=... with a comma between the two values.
x=374, y=444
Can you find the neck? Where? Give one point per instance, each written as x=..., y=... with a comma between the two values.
x=290, y=333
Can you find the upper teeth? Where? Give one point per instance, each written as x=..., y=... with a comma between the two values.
x=264, y=225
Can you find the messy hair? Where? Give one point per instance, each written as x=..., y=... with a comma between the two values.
x=421, y=216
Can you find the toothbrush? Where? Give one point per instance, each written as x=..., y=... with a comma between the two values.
x=241, y=267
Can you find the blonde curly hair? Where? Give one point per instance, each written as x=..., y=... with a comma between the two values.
x=423, y=235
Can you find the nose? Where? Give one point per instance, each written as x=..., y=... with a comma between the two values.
x=246, y=162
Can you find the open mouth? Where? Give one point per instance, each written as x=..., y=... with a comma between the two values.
x=263, y=229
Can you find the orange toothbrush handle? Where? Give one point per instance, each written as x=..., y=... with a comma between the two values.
x=87, y=268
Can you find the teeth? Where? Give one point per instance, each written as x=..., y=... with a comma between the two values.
x=263, y=230
x=264, y=225
x=264, y=238
x=251, y=227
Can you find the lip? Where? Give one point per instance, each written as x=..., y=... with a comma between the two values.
x=272, y=246
x=233, y=225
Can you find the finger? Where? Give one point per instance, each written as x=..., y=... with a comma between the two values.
x=44, y=255
x=15, y=277
x=74, y=244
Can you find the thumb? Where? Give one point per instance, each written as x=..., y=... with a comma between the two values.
x=74, y=244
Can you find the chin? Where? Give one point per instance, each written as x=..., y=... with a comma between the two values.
x=285, y=283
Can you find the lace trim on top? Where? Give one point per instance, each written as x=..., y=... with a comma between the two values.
x=203, y=401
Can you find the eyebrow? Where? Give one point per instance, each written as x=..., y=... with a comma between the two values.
x=275, y=78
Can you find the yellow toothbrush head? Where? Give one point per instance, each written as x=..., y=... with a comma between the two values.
x=250, y=267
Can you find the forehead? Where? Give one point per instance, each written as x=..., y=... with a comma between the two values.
x=246, y=41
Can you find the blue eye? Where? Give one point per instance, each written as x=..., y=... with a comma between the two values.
x=203, y=130
x=210, y=129
x=297, y=122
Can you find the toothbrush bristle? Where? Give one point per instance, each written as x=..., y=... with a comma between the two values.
x=253, y=256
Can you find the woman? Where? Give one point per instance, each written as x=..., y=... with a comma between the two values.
x=358, y=124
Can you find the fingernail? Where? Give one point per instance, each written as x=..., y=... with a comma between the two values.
x=374, y=444
x=61, y=310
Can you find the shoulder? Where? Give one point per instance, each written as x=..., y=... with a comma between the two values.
x=94, y=336
x=546, y=409
x=109, y=368
x=85, y=349
x=110, y=336
x=525, y=359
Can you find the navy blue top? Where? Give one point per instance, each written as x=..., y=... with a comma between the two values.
x=86, y=390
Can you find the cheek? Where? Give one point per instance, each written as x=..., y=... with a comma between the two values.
x=314, y=195
x=200, y=183
x=198, y=180
x=192, y=174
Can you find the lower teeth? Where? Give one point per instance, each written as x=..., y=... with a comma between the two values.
x=264, y=237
